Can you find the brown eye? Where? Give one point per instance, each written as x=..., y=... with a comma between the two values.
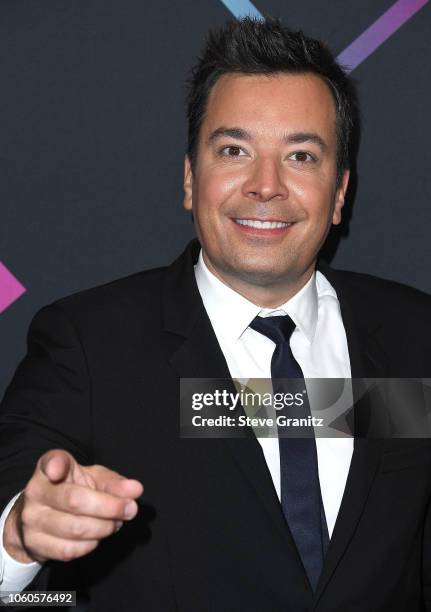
x=302, y=157
x=234, y=151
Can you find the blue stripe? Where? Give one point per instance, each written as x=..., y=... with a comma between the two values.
x=242, y=8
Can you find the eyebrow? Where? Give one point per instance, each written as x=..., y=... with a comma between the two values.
x=294, y=138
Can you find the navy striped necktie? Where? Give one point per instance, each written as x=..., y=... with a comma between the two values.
x=300, y=488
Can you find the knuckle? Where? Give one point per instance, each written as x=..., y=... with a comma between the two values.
x=89, y=546
x=67, y=552
x=101, y=470
x=27, y=540
x=78, y=530
x=96, y=468
x=73, y=499
x=26, y=517
x=31, y=490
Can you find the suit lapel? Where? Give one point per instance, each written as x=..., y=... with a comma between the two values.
x=367, y=359
x=200, y=357
x=195, y=353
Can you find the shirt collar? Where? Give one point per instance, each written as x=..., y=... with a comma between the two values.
x=231, y=313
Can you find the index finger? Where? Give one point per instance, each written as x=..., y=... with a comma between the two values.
x=112, y=482
x=124, y=487
x=81, y=500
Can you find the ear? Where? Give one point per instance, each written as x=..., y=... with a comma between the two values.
x=340, y=196
x=188, y=184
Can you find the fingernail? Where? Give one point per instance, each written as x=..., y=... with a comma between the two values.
x=118, y=525
x=130, y=510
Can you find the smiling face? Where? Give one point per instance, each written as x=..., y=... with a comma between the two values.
x=264, y=192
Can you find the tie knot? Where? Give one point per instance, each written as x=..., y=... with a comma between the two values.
x=277, y=329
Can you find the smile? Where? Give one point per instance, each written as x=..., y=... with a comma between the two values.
x=256, y=223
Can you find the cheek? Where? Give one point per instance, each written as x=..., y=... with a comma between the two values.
x=217, y=189
x=309, y=183
x=313, y=195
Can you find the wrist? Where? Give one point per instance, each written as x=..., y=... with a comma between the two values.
x=12, y=534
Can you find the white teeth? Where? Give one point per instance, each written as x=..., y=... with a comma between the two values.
x=261, y=224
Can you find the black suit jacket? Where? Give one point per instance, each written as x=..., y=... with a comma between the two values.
x=101, y=380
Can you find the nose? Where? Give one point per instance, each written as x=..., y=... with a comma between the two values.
x=266, y=181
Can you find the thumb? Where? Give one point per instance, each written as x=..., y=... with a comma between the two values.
x=56, y=465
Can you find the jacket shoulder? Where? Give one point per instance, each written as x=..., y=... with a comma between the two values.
x=375, y=292
x=394, y=314
x=123, y=297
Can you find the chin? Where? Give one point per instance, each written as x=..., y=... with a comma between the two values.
x=261, y=276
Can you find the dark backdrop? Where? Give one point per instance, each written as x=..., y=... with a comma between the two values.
x=93, y=135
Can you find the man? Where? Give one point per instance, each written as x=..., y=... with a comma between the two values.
x=223, y=524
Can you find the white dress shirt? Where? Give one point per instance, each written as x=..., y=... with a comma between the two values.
x=14, y=576
x=318, y=344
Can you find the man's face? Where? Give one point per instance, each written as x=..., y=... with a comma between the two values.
x=264, y=191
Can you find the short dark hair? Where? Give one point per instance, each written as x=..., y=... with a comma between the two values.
x=257, y=46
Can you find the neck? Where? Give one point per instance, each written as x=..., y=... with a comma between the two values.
x=265, y=296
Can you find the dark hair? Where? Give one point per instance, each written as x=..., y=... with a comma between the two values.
x=255, y=46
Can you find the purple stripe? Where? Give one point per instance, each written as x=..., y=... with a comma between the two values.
x=10, y=288
x=381, y=30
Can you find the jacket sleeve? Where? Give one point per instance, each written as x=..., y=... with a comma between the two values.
x=47, y=404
